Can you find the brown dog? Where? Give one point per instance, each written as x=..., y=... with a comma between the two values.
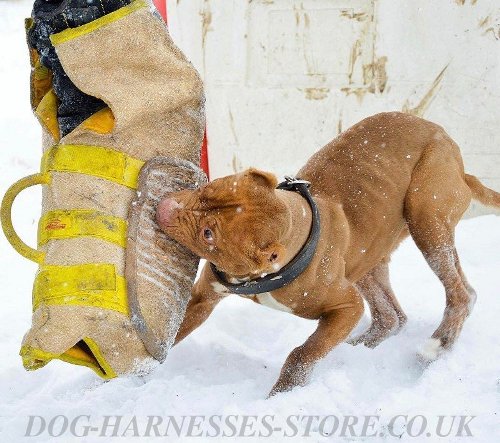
x=389, y=176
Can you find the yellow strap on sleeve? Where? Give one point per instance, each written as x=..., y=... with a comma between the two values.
x=72, y=33
x=64, y=224
x=93, y=160
x=93, y=284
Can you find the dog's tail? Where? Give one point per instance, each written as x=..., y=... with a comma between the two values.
x=481, y=193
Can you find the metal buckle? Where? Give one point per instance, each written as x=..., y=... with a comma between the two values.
x=293, y=183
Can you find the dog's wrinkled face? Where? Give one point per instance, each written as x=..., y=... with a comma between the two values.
x=235, y=222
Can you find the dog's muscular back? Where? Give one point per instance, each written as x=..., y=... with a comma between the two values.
x=368, y=169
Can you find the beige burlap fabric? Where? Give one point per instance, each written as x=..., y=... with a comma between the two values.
x=157, y=101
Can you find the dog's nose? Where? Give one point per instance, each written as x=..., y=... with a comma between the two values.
x=165, y=211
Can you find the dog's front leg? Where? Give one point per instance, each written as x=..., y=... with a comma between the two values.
x=334, y=327
x=204, y=298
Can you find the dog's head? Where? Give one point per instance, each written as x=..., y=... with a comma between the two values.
x=235, y=222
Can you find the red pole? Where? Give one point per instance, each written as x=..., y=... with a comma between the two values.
x=161, y=5
x=204, y=155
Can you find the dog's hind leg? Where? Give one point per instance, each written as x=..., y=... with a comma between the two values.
x=470, y=289
x=437, y=197
x=387, y=315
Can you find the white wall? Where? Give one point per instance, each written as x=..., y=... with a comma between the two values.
x=283, y=77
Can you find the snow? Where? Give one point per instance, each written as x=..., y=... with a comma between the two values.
x=229, y=365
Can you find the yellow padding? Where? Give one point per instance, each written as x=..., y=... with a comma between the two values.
x=63, y=224
x=6, y=216
x=72, y=33
x=105, y=370
x=93, y=284
x=93, y=160
x=28, y=23
x=46, y=111
x=34, y=359
x=102, y=122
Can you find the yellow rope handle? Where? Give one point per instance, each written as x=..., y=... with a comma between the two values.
x=98, y=161
x=6, y=215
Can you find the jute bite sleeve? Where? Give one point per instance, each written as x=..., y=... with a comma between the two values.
x=154, y=108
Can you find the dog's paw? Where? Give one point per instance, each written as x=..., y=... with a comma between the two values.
x=371, y=338
x=280, y=388
x=378, y=332
x=430, y=351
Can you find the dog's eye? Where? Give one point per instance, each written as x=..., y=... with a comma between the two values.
x=208, y=235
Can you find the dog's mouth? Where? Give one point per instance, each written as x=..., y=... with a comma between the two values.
x=166, y=212
x=244, y=278
x=239, y=278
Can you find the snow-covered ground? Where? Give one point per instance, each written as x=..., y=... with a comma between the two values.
x=228, y=366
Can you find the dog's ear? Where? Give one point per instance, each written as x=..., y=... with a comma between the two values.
x=273, y=255
x=261, y=177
